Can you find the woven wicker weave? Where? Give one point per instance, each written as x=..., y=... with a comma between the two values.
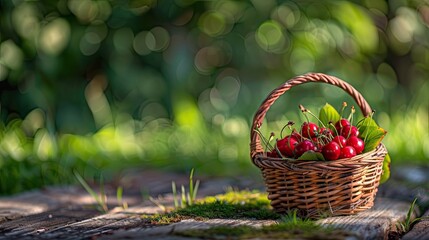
x=340, y=187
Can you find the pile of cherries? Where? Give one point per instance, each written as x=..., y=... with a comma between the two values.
x=341, y=143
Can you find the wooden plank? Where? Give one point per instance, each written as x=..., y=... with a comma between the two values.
x=376, y=223
x=74, y=224
x=88, y=228
x=420, y=230
x=165, y=232
x=36, y=224
x=25, y=204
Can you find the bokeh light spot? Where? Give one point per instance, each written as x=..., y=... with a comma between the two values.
x=158, y=39
x=150, y=41
x=358, y=23
x=208, y=58
x=88, y=45
x=11, y=55
x=228, y=153
x=139, y=43
x=94, y=35
x=152, y=111
x=25, y=19
x=213, y=23
x=88, y=11
x=401, y=29
x=286, y=15
x=228, y=88
x=270, y=36
x=217, y=101
x=235, y=127
x=54, y=37
x=45, y=145
x=232, y=9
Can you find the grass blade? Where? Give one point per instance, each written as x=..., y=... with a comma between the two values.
x=194, y=195
x=103, y=195
x=173, y=187
x=183, y=197
x=91, y=192
x=191, y=186
x=119, y=197
x=119, y=192
x=162, y=207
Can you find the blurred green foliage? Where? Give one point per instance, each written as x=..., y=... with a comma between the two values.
x=99, y=86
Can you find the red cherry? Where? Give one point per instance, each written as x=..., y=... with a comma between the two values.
x=347, y=152
x=296, y=135
x=348, y=131
x=317, y=143
x=342, y=123
x=272, y=154
x=287, y=145
x=303, y=147
x=357, y=143
x=342, y=141
x=327, y=132
x=309, y=130
x=331, y=151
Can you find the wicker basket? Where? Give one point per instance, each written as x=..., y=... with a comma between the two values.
x=318, y=188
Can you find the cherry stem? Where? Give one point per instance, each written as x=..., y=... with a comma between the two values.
x=312, y=114
x=341, y=145
x=350, y=119
x=335, y=129
x=352, y=112
x=322, y=137
x=269, y=140
x=304, y=110
x=289, y=124
x=342, y=108
x=297, y=133
x=264, y=140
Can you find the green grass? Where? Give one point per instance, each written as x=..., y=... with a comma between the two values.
x=231, y=205
x=100, y=198
x=283, y=230
x=246, y=205
x=220, y=209
x=187, y=198
x=410, y=219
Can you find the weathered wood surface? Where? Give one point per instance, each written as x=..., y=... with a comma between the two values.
x=376, y=223
x=68, y=213
x=166, y=232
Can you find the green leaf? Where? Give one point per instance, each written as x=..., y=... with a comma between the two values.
x=373, y=138
x=371, y=133
x=312, y=156
x=328, y=114
x=386, y=169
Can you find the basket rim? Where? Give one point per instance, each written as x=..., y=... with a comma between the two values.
x=366, y=158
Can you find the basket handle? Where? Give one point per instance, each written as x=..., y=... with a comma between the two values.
x=255, y=142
